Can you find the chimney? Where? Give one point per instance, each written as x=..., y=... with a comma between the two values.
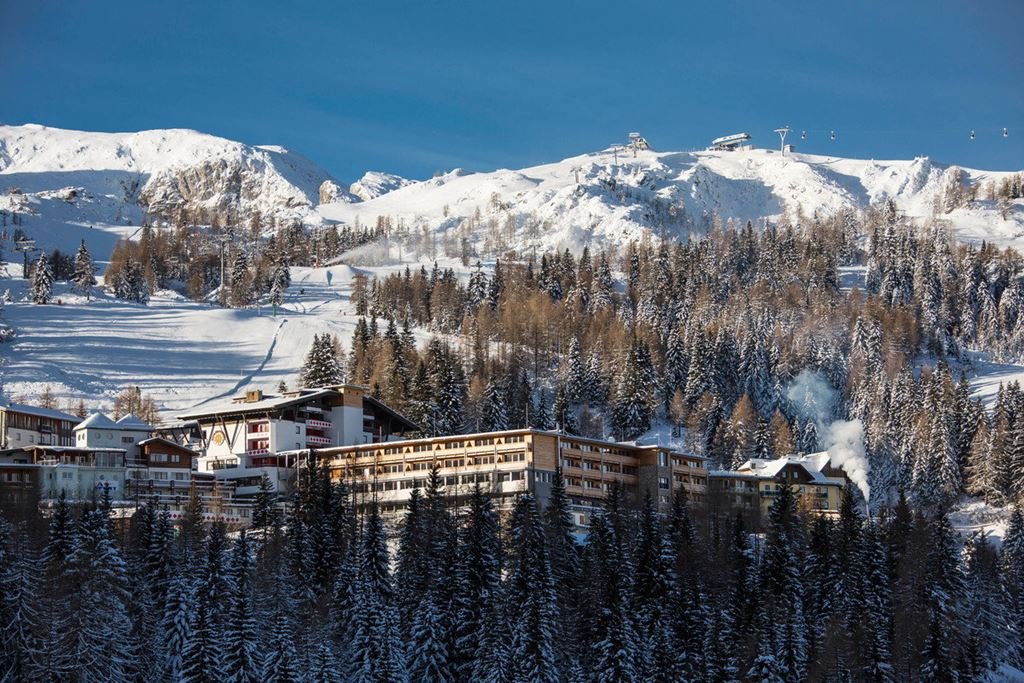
x=254, y=396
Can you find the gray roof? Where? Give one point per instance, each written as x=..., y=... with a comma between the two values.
x=97, y=421
x=39, y=412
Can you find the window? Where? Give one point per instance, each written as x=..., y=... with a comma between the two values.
x=663, y=459
x=296, y=429
x=127, y=439
x=663, y=482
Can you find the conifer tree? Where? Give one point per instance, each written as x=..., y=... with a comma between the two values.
x=84, y=278
x=19, y=613
x=42, y=281
x=531, y=596
x=477, y=579
x=782, y=586
x=241, y=661
x=495, y=407
x=321, y=368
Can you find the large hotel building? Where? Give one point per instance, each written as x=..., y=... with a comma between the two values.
x=510, y=462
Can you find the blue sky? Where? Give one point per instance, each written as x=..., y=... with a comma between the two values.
x=415, y=87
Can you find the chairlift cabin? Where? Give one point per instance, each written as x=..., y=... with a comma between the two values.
x=730, y=143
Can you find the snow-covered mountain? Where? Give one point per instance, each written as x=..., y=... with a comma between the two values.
x=609, y=197
x=69, y=181
x=67, y=186
x=68, y=178
x=374, y=184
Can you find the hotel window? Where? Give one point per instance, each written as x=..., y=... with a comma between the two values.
x=663, y=459
x=663, y=483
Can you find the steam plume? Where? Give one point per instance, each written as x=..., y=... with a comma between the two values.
x=815, y=399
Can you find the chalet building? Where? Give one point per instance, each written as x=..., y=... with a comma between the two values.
x=24, y=425
x=752, y=487
x=99, y=431
x=511, y=462
x=160, y=467
x=81, y=474
x=258, y=433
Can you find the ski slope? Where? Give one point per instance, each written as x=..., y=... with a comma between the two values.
x=181, y=352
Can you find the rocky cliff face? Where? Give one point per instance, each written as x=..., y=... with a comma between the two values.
x=167, y=173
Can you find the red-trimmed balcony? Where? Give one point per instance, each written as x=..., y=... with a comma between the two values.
x=318, y=424
x=318, y=440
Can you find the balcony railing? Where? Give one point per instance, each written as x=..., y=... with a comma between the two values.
x=319, y=424
x=318, y=440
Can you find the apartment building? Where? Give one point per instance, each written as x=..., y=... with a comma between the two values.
x=160, y=466
x=81, y=474
x=255, y=434
x=511, y=462
x=25, y=425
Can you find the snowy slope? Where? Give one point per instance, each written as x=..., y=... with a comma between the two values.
x=179, y=351
x=608, y=197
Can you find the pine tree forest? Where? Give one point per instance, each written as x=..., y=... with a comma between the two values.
x=745, y=343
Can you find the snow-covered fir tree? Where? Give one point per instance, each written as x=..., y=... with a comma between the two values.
x=42, y=281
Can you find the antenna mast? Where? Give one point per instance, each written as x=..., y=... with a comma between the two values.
x=783, y=132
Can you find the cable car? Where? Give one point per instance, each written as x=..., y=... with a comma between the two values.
x=803, y=135
x=972, y=134
x=1006, y=133
x=833, y=135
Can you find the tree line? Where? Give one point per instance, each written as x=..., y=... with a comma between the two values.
x=490, y=591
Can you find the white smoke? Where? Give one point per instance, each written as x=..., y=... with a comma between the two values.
x=817, y=400
x=845, y=445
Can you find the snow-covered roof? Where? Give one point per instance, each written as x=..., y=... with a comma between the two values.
x=39, y=412
x=135, y=423
x=268, y=402
x=96, y=421
x=814, y=464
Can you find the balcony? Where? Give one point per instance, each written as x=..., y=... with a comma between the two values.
x=318, y=424
x=257, y=451
x=318, y=440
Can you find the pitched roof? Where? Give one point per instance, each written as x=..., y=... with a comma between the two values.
x=40, y=412
x=96, y=421
x=134, y=422
x=166, y=442
x=813, y=464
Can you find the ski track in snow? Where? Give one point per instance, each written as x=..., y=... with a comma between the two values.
x=249, y=378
